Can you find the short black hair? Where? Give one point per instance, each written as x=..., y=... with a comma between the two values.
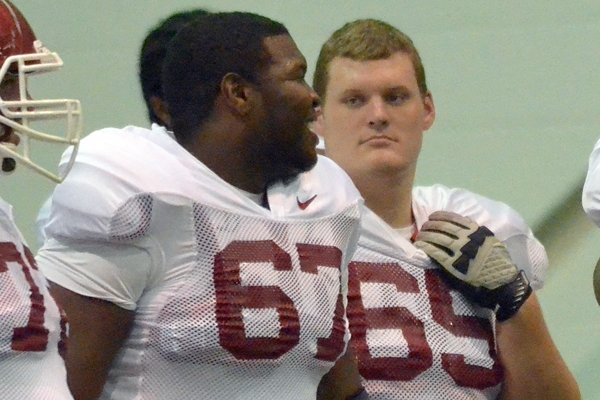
x=153, y=51
x=202, y=53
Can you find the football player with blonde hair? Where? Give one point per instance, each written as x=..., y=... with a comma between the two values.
x=439, y=306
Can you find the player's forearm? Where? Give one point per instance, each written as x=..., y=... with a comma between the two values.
x=85, y=379
x=342, y=382
x=534, y=368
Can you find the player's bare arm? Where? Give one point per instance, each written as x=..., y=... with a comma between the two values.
x=534, y=368
x=98, y=330
x=342, y=382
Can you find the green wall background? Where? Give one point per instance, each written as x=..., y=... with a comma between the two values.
x=515, y=84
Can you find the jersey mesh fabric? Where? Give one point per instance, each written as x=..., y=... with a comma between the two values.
x=250, y=308
x=31, y=327
x=414, y=337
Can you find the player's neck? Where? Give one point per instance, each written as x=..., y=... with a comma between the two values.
x=389, y=197
x=225, y=153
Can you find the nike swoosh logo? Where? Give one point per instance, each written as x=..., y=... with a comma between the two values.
x=304, y=204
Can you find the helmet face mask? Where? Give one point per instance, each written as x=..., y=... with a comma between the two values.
x=22, y=57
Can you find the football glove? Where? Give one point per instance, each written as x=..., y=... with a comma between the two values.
x=474, y=262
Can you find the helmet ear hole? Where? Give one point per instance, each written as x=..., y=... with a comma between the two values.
x=8, y=165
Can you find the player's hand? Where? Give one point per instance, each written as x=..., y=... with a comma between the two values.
x=475, y=262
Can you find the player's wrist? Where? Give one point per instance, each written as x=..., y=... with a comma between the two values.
x=512, y=296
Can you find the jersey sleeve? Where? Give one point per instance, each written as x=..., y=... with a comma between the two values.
x=92, y=247
x=115, y=273
x=83, y=205
x=525, y=250
x=112, y=167
x=590, y=199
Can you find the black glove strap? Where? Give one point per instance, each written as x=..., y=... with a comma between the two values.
x=512, y=296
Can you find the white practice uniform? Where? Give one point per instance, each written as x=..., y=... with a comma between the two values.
x=414, y=336
x=591, y=189
x=41, y=221
x=32, y=330
x=233, y=300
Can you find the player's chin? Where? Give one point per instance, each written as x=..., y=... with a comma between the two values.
x=303, y=156
x=308, y=157
x=294, y=164
x=305, y=159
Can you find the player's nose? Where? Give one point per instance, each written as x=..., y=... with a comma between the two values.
x=378, y=115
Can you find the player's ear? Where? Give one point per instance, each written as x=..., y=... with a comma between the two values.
x=160, y=109
x=237, y=93
x=428, y=111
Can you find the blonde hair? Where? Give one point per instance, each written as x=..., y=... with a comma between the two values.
x=366, y=40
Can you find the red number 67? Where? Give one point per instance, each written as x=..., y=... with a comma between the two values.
x=232, y=297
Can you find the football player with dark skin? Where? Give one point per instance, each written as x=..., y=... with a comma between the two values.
x=196, y=266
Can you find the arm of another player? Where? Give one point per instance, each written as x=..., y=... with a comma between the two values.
x=342, y=382
x=97, y=330
x=533, y=366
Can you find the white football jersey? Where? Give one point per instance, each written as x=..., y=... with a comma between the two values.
x=41, y=221
x=414, y=336
x=238, y=301
x=591, y=189
x=32, y=329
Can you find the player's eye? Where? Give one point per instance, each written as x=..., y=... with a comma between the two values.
x=398, y=98
x=353, y=101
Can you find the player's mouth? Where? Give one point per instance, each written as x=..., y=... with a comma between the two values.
x=310, y=121
x=378, y=140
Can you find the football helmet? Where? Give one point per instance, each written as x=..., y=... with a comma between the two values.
x=23, y=56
